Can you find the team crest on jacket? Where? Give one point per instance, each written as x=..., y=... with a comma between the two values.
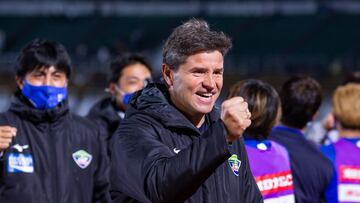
x=234, y=163
x=82, y=158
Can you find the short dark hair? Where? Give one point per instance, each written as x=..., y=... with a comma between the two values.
x=122, y=61
x=263, y=103
x=194, y=36
x=300, y=100
x=42, y=53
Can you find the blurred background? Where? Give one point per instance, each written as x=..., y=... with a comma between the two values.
x=273, y=39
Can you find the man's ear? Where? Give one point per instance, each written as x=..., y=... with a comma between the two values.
x=19, y=82
x=112, y=89
x=167, y=74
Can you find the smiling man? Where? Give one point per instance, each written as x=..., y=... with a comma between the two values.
x=174, y=145
x=47, y=153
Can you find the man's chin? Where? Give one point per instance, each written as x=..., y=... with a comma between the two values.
x=205, y=110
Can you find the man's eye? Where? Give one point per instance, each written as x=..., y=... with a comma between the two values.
x=37, y=75
x=198, y=73
x=57, y=76
x=132, y=82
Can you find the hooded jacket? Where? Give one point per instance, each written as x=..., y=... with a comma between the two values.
x=158, y=155
x=55, y=157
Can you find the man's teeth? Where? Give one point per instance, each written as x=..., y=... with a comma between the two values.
x=205, y=94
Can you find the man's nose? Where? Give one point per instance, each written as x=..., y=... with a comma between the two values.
x=47, y=80
x=209, y=81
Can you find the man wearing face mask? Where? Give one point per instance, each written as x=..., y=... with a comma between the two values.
x=47, y=153
x=129, y=73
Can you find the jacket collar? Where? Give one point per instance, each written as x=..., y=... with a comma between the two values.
x=106, y=109
x=289, y=129
x=154, y=100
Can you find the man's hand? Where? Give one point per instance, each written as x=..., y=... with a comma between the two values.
x=6, y=135
x=236, y=117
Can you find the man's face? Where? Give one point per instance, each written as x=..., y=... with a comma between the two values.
x=197, y=83
x=131, y=80
x=133, y=77
x=45, y=76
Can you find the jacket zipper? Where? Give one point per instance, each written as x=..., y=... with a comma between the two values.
x=54, y=164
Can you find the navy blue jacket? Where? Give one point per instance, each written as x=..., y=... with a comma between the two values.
x=312, y=171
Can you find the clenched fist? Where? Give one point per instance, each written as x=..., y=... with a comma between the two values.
x=236, y=117
x=6, y=135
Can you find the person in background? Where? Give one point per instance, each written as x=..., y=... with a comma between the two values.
x=269, y=161
x=324, y=132
x=312, y=172
x=345, y=153
x=129, y=73
x=47, y=153
x=174, y=145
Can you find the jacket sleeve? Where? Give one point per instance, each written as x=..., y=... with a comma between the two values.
x=252, y=192
x=147, y=170
x=101, y=191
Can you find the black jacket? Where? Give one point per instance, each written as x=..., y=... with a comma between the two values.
x=105, y=114
x=158, y=155
x=39, y=166
x=312, y=171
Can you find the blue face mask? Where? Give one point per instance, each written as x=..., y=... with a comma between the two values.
x=126, y=98
x=44, y=97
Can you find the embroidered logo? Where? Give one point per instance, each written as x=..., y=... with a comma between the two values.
x=20, y=148
x=82, y=158
x=20, y=163
x=234, y=163
x=177, y=150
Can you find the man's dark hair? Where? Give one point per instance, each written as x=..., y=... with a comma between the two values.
x=192, y=37
x=121, y=62
x=42, y=53
x=300, y=100
x=263, y=103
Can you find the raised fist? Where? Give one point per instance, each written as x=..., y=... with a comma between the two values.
x=236, y=117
